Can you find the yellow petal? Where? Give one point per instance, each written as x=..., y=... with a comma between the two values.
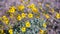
x=30, y=15
x=11, y=31
x=19, y=17
x=58, y=16
x=23, y=29
x=47, y=16
x=35, y=10
x=31, y=6
x=44, y=25
x=12, y=9
x=28, y=24
x=23, y=15
x=41, y=31
x=21, y=7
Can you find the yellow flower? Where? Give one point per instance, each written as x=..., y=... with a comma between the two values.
x=35, y=10
x=31, y=6
x=7, y=22
x=19, y=17
x=11, y=31
x=23, y=29
x=27, y=24
x=21, y=7
x=57, y=15
x=12, y=9
x=23, y=15
x=3, y=16
x=41, y=31
x=47, y=16
x=44, y=25
x=30, y=15
x=5, y=19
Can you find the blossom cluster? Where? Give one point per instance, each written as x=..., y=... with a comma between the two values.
x=29, y=18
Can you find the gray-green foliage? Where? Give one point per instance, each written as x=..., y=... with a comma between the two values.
x=36, y=25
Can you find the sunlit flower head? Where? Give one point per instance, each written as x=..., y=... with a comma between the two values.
x=27, y=24
x=19, y=17
x=57, y=15
x=21, y=7
x=23, y=15
x=30, y=15
x=23, y=29
x=11, y=31
x=12, y=9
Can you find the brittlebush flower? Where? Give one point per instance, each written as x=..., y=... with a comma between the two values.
x=57, y=15
x=44, y=25
x=41, y=31
x=35, y=10
x=12, y=9
x=47, y=16
x=5, y=20
x=28, y=24
x=21, y=7
x=19, y=17
x=31, y=6
x=11, y=31
x=23, y=29
x=30, y=15
x=23, y=15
